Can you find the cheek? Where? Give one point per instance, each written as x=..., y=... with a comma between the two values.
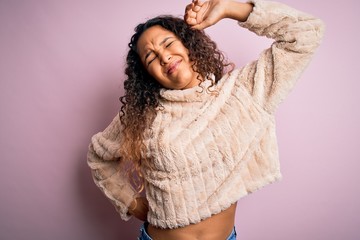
x=186, y=51
x=155, y=72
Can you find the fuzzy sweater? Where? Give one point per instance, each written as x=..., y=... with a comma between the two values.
x=209, y=150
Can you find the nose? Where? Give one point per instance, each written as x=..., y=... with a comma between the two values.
x=165, y=58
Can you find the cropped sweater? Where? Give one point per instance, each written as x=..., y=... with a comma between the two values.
x=209, y=150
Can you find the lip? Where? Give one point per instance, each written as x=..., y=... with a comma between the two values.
x=173, y=66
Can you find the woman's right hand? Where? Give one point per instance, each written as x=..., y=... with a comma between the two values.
x=200, y=15
x=141, y=208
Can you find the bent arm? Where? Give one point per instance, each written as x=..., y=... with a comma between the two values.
x=108, y=170
x=296, y=35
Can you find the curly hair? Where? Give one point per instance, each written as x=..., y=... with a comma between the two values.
x=142, y=92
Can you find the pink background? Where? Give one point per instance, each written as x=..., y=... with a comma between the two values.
x=61, y=72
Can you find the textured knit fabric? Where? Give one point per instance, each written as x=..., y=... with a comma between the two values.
x=208, y=149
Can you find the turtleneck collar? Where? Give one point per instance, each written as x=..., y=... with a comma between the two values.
x=194, y=94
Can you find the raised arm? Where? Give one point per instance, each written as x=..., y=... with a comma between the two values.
x=296, y=36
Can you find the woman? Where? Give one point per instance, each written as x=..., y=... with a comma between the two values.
x=196, y=138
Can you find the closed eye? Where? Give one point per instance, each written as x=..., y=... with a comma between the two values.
x=169, y=44
x=152, y=59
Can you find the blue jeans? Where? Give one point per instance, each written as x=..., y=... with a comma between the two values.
x=145, y=236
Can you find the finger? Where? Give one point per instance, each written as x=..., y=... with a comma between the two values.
x=189, y=17
x=196, y=8
x=202, y=13
x=201, y=26
x=191, y=14
x=189, y=11
x=189, y=6
x=198, y=3
x=191, y=21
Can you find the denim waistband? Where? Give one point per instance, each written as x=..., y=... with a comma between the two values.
x=145, y=236
x=143, y=233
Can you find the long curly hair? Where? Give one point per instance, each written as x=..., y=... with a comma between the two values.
x=142, y=92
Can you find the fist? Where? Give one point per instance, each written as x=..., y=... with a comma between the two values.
x=200, y=15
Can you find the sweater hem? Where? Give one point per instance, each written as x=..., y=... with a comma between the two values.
x=178, y=223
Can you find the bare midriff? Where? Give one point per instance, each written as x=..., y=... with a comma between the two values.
x=217, y=227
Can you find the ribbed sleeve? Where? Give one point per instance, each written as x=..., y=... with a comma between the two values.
x=107, y=168
x=296, y=35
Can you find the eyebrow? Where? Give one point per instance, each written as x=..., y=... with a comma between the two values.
x=161, y=43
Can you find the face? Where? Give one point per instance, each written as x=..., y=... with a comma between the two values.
x=166, y=58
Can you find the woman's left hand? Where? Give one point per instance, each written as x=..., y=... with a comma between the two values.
x=141, y=208
x=200, y=15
